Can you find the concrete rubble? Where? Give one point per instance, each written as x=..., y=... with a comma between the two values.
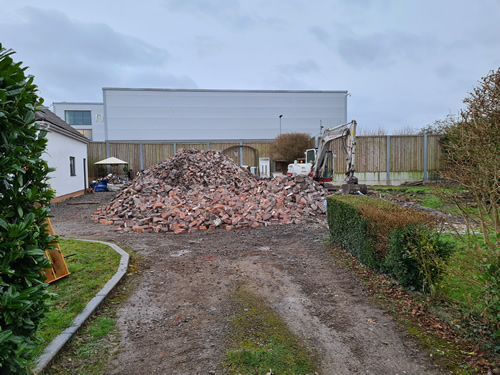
x=197, y=190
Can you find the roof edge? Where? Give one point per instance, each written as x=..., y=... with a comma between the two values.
x=222, y=90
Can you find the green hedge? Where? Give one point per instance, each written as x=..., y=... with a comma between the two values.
x=389, y=238
x=24, y=196
x=350, y=230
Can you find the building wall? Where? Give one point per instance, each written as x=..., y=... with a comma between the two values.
x=97, y=116
x=59, y=150
x=217, y=115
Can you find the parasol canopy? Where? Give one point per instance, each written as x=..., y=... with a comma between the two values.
x=111, y=161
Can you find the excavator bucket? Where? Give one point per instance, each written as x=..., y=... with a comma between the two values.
x=59, y=268
x=354, y=189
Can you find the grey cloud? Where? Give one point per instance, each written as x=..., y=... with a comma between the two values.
x=207, y=46
x=284, y=82
x=293, y=76
x=445, y=70
x=301, y=67
x=383, y=49
x=92, y=42
x=78, y=59
x=213, y=7
x=226, y=12
x=320, y=34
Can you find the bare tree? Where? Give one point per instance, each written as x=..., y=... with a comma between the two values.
x=471, y=147
x=472, y=152
x=439, y=126
x=371, y=132
x=290, y=146
x=406, y=130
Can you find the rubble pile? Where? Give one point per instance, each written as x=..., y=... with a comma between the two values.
x=197, y=190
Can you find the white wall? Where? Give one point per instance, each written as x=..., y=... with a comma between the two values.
x=210, y=115
x=97, y=116
x=59, y=149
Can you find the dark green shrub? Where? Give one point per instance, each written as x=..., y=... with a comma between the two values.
x=350, y=231
x=491, y=279
x=24, y=198
x=417, y=257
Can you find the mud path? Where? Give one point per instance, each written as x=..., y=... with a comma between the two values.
x=176, y=320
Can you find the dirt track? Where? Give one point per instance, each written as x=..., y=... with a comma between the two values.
x=175, y=321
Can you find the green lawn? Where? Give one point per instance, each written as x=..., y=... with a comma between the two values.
x=422, y=195
x=91, y=265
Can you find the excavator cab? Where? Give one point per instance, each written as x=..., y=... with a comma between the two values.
x=326, y=168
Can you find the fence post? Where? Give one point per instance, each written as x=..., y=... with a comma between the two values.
x=108, y=167
x=388, y=176
x=175, y=148
x=425, y=156
x=208, y=146
x=140, y=156
x=241, y=152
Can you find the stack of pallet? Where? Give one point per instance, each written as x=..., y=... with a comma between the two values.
x=197, y=190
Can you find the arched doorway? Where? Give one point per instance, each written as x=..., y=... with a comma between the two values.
x=243, y=155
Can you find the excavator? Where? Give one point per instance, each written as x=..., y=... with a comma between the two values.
x=319, y=161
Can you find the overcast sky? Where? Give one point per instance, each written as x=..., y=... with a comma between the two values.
x=406, y=63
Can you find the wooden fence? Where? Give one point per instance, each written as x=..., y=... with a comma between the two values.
x=381, y=155
x=140, y=156
x=406, y=153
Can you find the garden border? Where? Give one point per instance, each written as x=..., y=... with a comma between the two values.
x=58, y=343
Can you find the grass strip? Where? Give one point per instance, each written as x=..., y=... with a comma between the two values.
x=91, y=265
x=261, y=341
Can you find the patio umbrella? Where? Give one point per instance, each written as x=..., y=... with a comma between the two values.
x=111, y=161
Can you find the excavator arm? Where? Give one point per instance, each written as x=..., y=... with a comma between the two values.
x=345, y=131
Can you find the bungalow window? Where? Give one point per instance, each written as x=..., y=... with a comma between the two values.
x=72, y=170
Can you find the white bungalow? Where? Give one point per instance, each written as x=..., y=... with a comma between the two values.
x=67, y=153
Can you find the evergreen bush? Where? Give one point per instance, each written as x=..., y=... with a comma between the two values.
x=351, y=231
x=24, y=200
x=417, y=257
x=389, y=238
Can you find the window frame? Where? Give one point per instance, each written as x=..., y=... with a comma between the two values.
x=72, y=166
x=78, y=117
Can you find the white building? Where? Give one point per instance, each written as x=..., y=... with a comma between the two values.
x=175, y=115
x=86, y=118
x=67, y=153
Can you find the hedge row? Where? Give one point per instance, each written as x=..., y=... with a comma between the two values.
x=388, y=238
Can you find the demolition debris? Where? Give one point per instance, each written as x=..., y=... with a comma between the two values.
x=197, y=190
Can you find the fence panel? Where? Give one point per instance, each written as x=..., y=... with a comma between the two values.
x=197, y=146
x=95, y=151
x=129, y=152
x=406, y=153
x=371, y=154
x=434, y=149
x=154, y=153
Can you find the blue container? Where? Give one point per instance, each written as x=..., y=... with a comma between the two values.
x=101, y=187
